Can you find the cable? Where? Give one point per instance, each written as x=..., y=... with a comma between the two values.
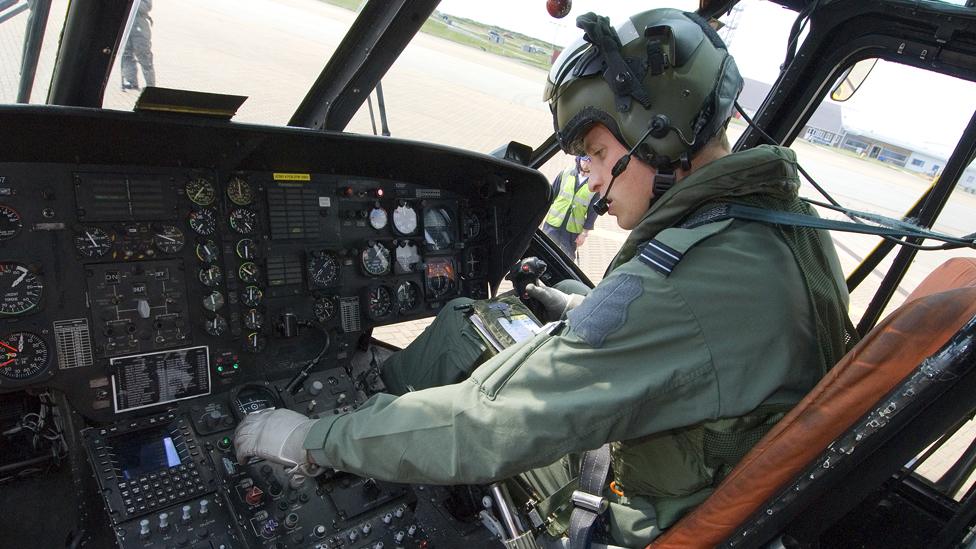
x=859, y=217
x=602, y=205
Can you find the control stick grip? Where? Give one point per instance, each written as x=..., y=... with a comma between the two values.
x=526, y=271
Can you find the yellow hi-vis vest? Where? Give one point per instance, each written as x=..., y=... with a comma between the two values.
x=575, y=202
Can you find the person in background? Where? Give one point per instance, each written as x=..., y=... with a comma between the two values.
x=571, y=215
x=138, y=49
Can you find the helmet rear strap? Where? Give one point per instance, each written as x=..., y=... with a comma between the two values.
x=622, y=78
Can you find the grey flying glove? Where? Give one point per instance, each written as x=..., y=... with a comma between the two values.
x=555, y=302
x=277, y=435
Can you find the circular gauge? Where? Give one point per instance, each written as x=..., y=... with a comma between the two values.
x=93, y=242
x=407, y=296
x=22, y=355
x=243, y=220
x=254, y=398
x=407, y=257
x=10, y=222
x=203, y=221
x=405, y=219
x=201, y=191
x=246, y=248
x=438, y=228
x=216, y=326
x=379, y=302
x=323, y=269
x=210, y=276
x=440, y=277
x=213, y=301
x=254, y=342
x=239, y=191
x=169, y=239
x=208, y=252
x=251, y=296
x=375, y=259
x=249, y=272
x=20, y=289
x=253, y=319
x=471, y=225
x=377, y=217
x=325, y=308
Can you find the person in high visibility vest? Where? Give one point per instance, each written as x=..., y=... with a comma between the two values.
x=571, y=215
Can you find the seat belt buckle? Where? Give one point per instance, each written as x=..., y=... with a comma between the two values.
x=590, y=502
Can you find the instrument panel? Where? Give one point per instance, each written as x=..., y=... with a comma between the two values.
x=194, y=258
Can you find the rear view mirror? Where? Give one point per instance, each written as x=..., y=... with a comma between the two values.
x=851, y=80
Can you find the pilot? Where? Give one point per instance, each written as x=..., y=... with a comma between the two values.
x=703, y=333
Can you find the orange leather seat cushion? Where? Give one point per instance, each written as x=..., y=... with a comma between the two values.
x=880, y=361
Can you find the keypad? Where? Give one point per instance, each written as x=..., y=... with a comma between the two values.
x=161, y=488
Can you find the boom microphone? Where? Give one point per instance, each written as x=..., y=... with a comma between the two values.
x=602, y=205
x=659, y=127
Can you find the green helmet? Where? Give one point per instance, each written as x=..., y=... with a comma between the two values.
x=663, y=80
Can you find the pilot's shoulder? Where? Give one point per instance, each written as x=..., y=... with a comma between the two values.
x=668, y=248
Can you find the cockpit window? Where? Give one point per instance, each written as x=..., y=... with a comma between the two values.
x=29, y=34
x=270, y=51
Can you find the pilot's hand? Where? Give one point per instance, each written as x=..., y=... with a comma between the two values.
x=555, y=302
x=277, y=436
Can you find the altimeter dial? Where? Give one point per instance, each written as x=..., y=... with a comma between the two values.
x=375, y=259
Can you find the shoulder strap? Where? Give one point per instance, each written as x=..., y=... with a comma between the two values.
x=776, y=217
x=663, y=252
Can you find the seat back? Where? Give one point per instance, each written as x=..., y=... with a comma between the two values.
x=932, y=314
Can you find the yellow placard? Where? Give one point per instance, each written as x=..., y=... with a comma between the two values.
x=292, y=177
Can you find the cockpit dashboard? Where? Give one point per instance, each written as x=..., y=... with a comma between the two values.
x=168, y=275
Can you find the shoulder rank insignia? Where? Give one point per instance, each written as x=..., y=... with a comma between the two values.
x=659, y=257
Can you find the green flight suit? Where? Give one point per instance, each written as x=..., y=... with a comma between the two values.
x=647, y=360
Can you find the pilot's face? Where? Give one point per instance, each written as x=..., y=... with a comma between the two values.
x=631, y=193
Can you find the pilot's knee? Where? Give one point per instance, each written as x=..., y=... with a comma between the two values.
x=571, y=286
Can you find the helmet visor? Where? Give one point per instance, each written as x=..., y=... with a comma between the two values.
x=578, y=59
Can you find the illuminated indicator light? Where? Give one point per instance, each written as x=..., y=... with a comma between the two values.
x=236, y=366
x=220, y=368
x=379, y=193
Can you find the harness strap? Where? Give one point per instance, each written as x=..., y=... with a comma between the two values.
x=775, y=217
x=588, y=501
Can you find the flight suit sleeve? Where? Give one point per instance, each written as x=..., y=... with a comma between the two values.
x=631, y=361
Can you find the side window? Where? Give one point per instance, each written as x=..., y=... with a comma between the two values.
x=871, y=159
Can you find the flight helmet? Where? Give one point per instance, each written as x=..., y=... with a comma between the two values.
x=662, y=82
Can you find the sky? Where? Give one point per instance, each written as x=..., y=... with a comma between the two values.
x=914, y=107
